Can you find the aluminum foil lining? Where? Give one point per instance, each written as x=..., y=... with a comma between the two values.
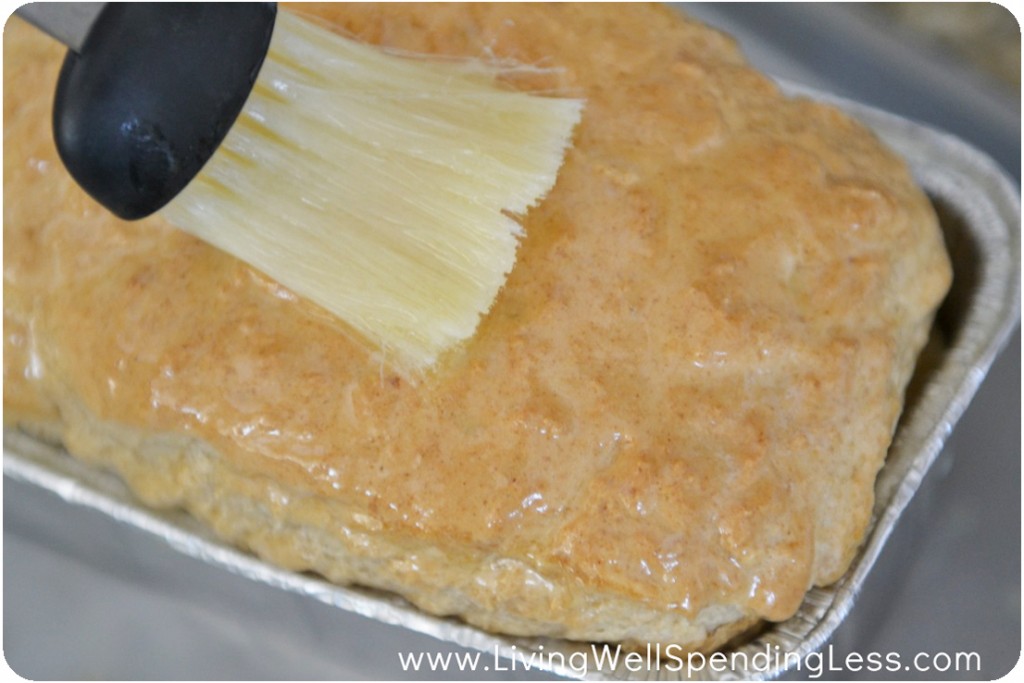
x=979, y=208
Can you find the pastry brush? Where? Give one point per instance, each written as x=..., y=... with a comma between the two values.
x=381, y=187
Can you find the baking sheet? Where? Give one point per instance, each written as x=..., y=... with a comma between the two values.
x=981, y=216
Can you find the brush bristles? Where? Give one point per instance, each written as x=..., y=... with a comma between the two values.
x=378, y=186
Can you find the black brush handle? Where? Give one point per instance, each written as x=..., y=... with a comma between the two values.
x=151, y=93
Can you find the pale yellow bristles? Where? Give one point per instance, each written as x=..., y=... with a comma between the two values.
x=379, y=186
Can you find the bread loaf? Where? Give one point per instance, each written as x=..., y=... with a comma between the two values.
x=666, y=429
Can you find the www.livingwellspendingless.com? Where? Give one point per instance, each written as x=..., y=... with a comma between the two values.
x=674, y=660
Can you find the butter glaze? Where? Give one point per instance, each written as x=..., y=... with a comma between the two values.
x=680, y=399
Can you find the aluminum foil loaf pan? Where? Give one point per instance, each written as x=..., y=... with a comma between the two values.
x=979, y=209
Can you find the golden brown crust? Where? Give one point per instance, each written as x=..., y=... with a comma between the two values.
x=669, y=423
